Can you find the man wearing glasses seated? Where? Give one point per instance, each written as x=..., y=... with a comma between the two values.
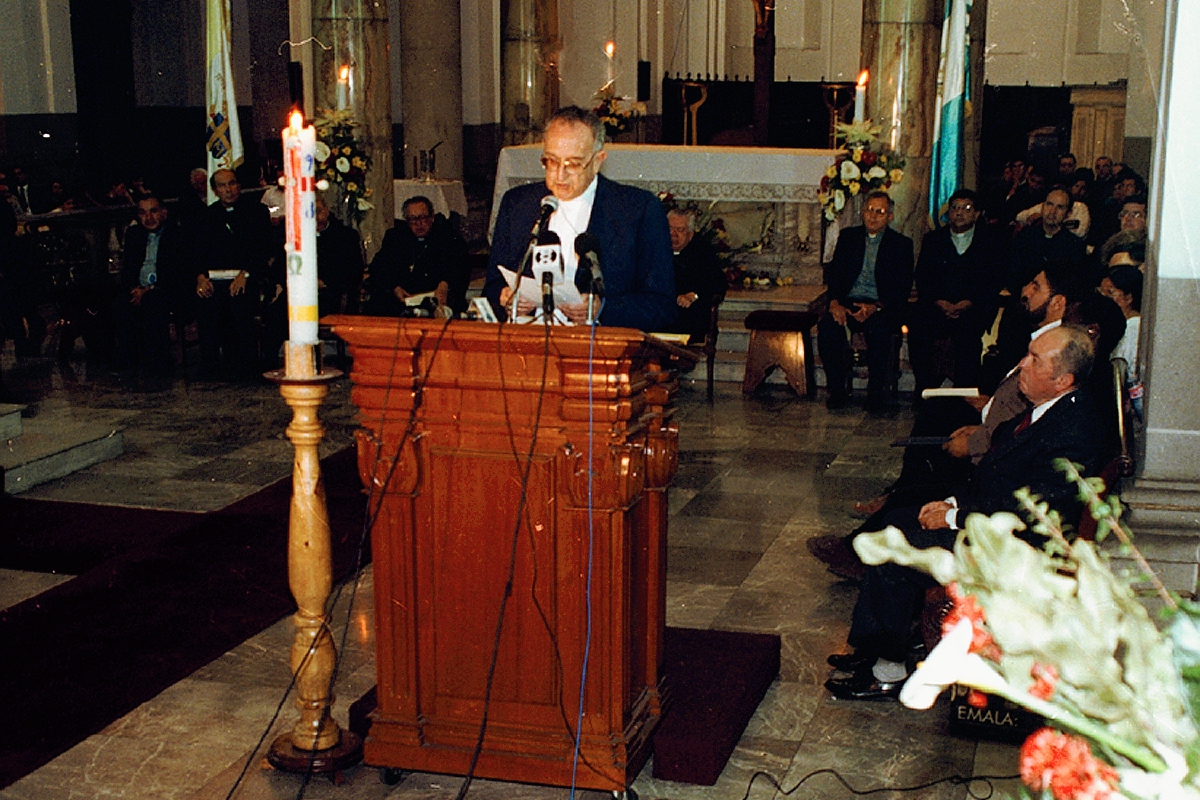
x=630, y=224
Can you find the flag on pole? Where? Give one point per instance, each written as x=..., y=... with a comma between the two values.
x=954, y=91
x=224, y=143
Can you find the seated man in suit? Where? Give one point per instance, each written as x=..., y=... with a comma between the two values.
x=869, y=281
x=339, y=263
x=152, y=274
x=421, y=254
x=635, y=244
x=1061, y=423
x=958, y=278
x=699, y=279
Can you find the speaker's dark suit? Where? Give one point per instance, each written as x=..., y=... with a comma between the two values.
x=635, y=251
x=891, y=596
x=893, y=282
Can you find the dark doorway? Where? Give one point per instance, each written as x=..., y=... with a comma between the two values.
x=1010, y=115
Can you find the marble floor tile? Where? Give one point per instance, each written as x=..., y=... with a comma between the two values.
x=721, y=534
x=753, y=754
x=709, y=565
x=17, y=585
x=694, y=605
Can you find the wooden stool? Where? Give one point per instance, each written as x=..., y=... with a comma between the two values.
x=781, y=339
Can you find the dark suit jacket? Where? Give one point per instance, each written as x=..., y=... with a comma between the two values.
x=1070, y=429
x=635, y=251
x=174, y=273
x=943, y=274
x=241, y=239
x=418, y=266
x=893, y=266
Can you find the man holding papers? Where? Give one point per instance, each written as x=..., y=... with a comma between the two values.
x=630, y=224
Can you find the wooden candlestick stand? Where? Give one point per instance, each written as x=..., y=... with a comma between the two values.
x=316, y=743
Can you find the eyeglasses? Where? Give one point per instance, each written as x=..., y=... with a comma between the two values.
x=883, y=212
x=963, y=207
x=572, y=166
x=419, y=218
x=1132, y=214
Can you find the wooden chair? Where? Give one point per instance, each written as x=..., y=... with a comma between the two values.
x=709, y=347
x=781, y=339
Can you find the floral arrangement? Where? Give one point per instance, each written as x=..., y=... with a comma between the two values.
x=1055, y=631
x=617, y=113
x=343, y=163
x=867, y=165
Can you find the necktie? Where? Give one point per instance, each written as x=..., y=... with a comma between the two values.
x=1026, y=421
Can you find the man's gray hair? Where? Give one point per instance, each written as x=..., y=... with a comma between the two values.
x=574, y=115
x=1076, y=355
x=687, y=214
x=881, y=193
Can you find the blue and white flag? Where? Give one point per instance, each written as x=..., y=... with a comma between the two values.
x=953, y=94
x=224, y=142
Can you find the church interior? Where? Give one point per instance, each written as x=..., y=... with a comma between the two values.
x=164, y=505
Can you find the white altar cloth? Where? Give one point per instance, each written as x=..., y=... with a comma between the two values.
x=752, y=174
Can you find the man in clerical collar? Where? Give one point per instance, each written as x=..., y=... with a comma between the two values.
x=421, y=254
x=629, y=223
x=958, y=279
x=868, y=280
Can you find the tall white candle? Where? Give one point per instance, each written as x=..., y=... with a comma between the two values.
x=860, y=98
x=299, y=165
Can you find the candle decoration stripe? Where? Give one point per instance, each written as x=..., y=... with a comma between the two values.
x=299, y=147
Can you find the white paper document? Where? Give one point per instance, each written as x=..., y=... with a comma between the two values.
x=531, y=288
x=950, y=391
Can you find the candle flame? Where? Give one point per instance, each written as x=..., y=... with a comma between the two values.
x=296, y=121
x=344, y=73
x=862, y=78
x=610, y=47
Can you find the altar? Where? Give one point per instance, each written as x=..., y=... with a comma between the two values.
x=772, y=188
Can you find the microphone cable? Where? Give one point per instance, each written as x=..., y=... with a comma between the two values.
x=591, y=507
x=512, y=555
x=956, y=780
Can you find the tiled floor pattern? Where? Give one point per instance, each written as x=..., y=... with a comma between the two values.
x=758, y=477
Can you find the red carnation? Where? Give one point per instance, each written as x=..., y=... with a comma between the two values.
x=1065, y=765
x=868, y=159
x=967, y=607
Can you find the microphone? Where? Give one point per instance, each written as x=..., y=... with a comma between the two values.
x=587, y=247
x=549, y=206
x=548, y=296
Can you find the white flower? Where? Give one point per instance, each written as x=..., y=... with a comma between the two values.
x=1167, y=785
x=889, y=544
x=342, y=164
x=876, y=173
x=950, y=662
x=850, y=171
x=322, y=184
x=839, y=200
x=322, y=151
x=363, y=205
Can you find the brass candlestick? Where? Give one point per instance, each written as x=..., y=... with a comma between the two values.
x=316, y=743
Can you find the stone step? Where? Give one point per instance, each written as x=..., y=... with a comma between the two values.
x=52, y=447
x=10, y=421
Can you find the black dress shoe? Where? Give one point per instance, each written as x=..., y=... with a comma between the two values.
x=850, y=662
x=863, y=686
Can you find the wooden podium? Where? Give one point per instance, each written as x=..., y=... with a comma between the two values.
x=448, y=412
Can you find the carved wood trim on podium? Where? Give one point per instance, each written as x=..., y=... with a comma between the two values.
x=443, y=536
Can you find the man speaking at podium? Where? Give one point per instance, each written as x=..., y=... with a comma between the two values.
x=629, y=223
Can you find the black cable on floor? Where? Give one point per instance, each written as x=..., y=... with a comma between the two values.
x=956, y=780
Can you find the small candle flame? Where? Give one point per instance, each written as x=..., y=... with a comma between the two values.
x=862, y=78
x=344, y=73
x=610, y=47
x=296, y=121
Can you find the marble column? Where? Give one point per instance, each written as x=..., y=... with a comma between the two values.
x=431, y=82
x=1165, y=496
x=528, y=67
x=901, y=40
x=974, y=125
x=354, y=73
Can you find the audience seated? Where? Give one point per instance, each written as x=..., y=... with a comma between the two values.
x=339, y=263
x=19, y=316
x=1060, y=423
x=154, y=269
x=421, y=254
x=236, y=271
x=958, y=276
x=1123, y=285
x=1107, y=219
x=699, y=280
x=869, y=281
